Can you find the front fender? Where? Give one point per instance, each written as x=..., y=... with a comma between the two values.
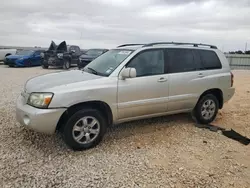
x=99, y=90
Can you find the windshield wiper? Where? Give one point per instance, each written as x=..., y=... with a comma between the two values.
x=93, y=71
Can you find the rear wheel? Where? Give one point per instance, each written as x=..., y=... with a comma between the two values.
x=66, y=64
x=84, y=129
x=206, y=109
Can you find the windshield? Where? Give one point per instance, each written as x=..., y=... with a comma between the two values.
x=105, y=64
x=25, y=52
x=94, y=52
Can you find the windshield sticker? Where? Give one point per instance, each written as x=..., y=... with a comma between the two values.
x=124, y=52
x=110, y=69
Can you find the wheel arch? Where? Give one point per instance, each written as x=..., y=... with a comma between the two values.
x=103, y=107
x=217, y=93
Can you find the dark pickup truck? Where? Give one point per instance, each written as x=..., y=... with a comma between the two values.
x=62, y=55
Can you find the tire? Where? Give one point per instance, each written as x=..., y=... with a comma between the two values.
x=74, y=129
x=206, y=109
x=79, y=67
x=66, y=64
x=45, y=66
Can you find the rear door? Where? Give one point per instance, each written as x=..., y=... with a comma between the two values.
x=147, y=93
x=185, y=79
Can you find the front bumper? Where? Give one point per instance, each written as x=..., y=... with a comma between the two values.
x=14, y=63
x=53, y=62
x=40, y=120
x=9, y=62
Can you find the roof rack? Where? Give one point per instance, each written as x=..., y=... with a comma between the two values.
x=129, y=45
x=180, y=43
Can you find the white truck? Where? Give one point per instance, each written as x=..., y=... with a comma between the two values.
x=6, y=52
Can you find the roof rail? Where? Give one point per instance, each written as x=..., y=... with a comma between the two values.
x=129, y=45
x=180, y=43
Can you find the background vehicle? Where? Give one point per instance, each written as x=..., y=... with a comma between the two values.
x=128, y=83
x=5, y=52
x=24, y=58
x=62, y=55
x=89, y=56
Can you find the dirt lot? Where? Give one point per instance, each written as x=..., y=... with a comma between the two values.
x=160, y=152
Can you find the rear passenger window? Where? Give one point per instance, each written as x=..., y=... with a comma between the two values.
x=180, y=60
x=209, y=59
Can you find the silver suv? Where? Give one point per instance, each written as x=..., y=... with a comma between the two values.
x=130, y=82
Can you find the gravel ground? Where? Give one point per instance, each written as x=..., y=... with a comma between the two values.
x=160, y=152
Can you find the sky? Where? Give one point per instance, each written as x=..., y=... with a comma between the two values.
x=108, y=23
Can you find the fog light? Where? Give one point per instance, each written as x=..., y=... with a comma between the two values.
x=26, y=120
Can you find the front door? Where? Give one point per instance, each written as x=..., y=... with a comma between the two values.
x=75, y=55
x=147, y=93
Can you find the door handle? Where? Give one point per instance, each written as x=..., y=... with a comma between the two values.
x=200, y=75
x=162, y=79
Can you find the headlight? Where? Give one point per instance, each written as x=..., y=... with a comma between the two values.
x=42, y=55
x=60, y=55
x=40, y=100
x=21, y=58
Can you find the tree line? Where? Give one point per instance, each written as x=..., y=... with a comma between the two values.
x=239, y=52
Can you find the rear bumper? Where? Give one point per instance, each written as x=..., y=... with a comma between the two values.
x=228, y=94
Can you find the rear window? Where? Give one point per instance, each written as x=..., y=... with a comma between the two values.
x=209, y=59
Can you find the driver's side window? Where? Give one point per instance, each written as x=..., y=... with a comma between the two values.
x=148, y=63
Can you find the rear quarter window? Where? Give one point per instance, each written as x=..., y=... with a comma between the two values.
x=209, y=59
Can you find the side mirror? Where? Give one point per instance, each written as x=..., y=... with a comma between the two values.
x=128, y=73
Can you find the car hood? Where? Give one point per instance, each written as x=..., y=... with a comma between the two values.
x=62, y=46
x=85, y=56
x=43, y=83
x=16, y=56
x=52, y=46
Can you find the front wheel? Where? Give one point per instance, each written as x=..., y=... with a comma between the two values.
x=45, y=66
x=206, y=109
x=66, y=64
x=84, y=129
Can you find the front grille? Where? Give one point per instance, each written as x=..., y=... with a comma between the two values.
x=51, y=60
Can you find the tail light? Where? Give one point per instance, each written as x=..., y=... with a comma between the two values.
x=232, y=79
